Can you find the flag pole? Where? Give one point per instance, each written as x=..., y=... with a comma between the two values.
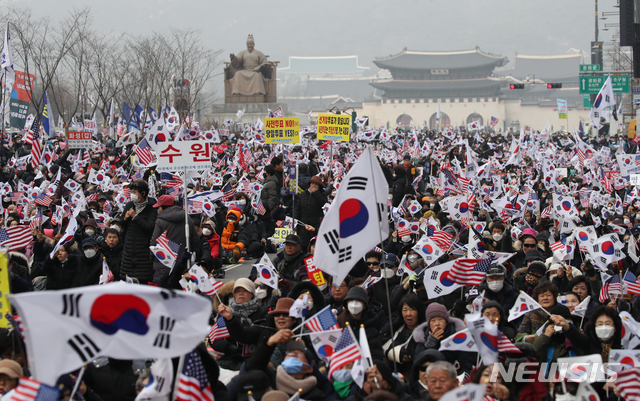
x=386, y=282
x=78, y=381
x=176, y=381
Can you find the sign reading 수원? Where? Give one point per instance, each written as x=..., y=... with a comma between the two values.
x=192, y=155
x=332, y=127
x=634, y=179
x=282, y=130
x=80, y=139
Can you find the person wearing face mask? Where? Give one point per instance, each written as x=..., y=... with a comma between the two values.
x=313, y=167
x=62, y=270
x=89, y=230
x=90, y=262
x=171, y=221
x=231, y=246
x=528, y=281
x=138, y=224
x=315, y=298
x=270, y=198
x=388, y=269
x=298, y=370
x=357, y=313
x=497, y=289
x=210, y=245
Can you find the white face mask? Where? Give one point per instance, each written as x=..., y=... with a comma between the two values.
x=90, y=232
x=627, y=221
x=261, y=293
x=605, y=332
x=406, y=238
x=412, y=258
x=134, y=198
x=89, y=253
x=355, y=307
x=495, y=286
x=310, y=305
x=387, y=273
x=242, y=202
x=206, y=232
x=497, y=237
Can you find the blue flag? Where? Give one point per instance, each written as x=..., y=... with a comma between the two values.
x=47, y=120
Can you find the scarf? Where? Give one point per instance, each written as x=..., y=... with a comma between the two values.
x=286, y=383
x=245, y=309
x=140, y=206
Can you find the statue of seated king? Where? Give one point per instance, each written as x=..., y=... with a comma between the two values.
x=250, y=74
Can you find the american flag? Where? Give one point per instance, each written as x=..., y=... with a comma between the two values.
x=493, y=121
x=631, y=282
x=605, y=181
x=168, y=245
x=584, y=197
x=557, y=246
x=612, y=284
x=469, y=271
x=546, y=212
x=194, y=385
x=33, y=138
x=626, y=383
x=441, y=238
x=143, y=151
x=346, y=351
x=43, y=199
x=32, y=390
x=322, y=321
x=228, y=191
x=16, y=237
x=171, y=180
x=505, y=345
x=218, y=330
x=36, y=220
x=135, y=177
x=260, y=207
x=16, y=322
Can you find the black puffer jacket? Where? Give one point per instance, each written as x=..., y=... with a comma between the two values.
x=289, y=268
x=172, y=219
x=90, y=270
x=60, y=275
x=401, y=187
x=309, y=208
x=370, y=321
x=114, y=258
x=136, y=257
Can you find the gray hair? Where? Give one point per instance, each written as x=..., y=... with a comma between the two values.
x=443, y=365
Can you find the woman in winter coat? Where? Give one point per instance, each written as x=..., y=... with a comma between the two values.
x=138, y=224
x=410, y=315
x=546, y=295
x=243, y=306
x=212, y=258
x=309, y=210
x=357, y=313
x=438, y=326
x=63, y=270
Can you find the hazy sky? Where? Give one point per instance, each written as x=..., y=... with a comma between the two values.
x=367, y=28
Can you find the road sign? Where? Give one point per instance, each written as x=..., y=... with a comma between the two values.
x=586, y=101
x=592, y=84
x=192, y=155
x=589, y=67
x=635, y=91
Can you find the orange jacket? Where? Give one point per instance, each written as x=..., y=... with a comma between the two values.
x=230, y=233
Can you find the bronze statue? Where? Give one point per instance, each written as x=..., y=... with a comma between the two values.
x=251, y=65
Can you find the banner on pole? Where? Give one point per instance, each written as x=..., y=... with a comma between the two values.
x=333, y=127
x=281, y=130
x=20, y=99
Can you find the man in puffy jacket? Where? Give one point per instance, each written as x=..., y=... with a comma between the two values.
x=171, y=219
x=230, y=236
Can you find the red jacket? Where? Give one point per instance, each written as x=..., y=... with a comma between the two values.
x=214, y=244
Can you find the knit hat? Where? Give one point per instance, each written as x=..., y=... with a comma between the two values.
x=359, y=294
x=534, y=254
x=246, y=284
x=255, y=381
x=275, y=395
x=537, y=267
x=561, y=310
x=436, y=310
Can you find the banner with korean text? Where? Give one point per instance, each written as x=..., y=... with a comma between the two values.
x=332, y=127
x=281, y=130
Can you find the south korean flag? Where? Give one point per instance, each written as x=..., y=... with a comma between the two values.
x=267, y=272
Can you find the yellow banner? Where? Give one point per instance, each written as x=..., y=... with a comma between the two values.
x=282, y=130
x=281, y=233
x=5, y=306
x=332, y=127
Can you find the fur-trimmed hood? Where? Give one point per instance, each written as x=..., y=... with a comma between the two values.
x=521, y=271
x=419, y=333
x=225, y=292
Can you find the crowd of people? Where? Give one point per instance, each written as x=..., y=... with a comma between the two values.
x=386, y=292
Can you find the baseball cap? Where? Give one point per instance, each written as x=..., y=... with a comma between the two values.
x=292, y=239
x=165, y=200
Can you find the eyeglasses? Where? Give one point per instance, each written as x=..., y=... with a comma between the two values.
x=423, y=368
x=373, y=263
x=529, y=245
x=281, y=315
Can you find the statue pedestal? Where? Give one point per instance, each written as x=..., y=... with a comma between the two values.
x=252, y=111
